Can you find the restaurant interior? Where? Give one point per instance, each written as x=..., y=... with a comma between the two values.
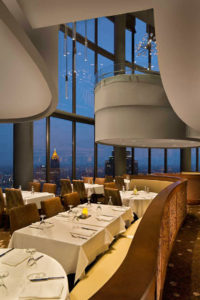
x=99, y=150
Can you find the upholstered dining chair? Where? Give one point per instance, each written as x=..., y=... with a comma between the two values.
x=99, y=180
x=49, y=188
x=115, y=196
x=35, y=185
x=108, y=178
x=71, y=199
x=119, y=181
x=88, y=179
x=2, y=207
x=51, y=207
x=23, y=216
x=79, y=187
x=111, y=185
x=13, y=199
x=66, y=187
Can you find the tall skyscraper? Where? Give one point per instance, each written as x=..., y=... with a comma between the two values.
x=55, y=168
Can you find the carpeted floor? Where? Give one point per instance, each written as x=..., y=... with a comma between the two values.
x=4, y=238
x=183, y=273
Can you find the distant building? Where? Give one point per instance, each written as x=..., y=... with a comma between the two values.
x=55, y=168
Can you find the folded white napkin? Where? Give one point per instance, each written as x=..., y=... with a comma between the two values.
x=104, y=218
x=119, y=209
x=15, y=257
x=43, y=225
x=42, y=290
x=82, y=232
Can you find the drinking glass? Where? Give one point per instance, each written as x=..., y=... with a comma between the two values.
x=89, y=203
x=42, y=219
x=123, y=189
x=99, y=209
x=31, y=261
x=148, y=189
x=3, y=274
x=70, y=208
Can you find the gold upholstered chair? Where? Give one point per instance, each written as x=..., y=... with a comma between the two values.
x=88, y=179
x=51, y=207
x=119, y=182
x=49, y=188
x=109, y=178
x=115, y=196
x=71, y=199
x=13, y=199
x=23, y=216
x=79, y=187
x=110, y=185
x=99, y=180
x=66, y=187
x=35, y=185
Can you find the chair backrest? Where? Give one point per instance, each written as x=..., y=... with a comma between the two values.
x=2, y=203
x=13, y=199
x=88, y=179
x=119, y=181
x=66, y=187
x=99, y=180
x=108, y=178
x=71, y=199
x=79, y=187
x=111, y=185
x=114, y=193
x=36, y=185
x=49, y=187
x=51, y=207
x=23, y=216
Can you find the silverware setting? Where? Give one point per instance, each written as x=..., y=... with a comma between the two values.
x=36, y=227
x=86, y=228
x=78, y=236
x=6, y=252
x=47, y=278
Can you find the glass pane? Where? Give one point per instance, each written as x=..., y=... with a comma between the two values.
x=193, y=159
x=199, y=159
x=64, y=97
x=39, y=150
x=60, y=150
x=141, y=161
x=173, y=160
x=80, y=28
x=140, y=32
x=105, y=67
x=128, y=40
x=106, y=34
x=6, y=155
x=157, y=160
x=84, y=150
x=154, y=63
x=129, y=160
x=105, y=160
x=84, y=82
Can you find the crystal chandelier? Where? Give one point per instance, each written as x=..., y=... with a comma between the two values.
x=147, y=45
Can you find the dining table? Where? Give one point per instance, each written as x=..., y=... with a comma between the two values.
x=21, y=277
x=33, y=197
x=93, y=188
x=138, y=201
x=72, y=240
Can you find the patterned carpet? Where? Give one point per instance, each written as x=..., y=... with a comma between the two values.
x=183, y=273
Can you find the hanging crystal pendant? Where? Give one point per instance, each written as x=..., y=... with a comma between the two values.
x=86, y=43
x=66, y=86
x=74, y=31
x=65, y=42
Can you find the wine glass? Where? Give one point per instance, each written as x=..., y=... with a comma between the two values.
x=89, y=201
x=31, y=261
x=3, y=274
x=70, y=208
x=99, y=209
x=42, y=222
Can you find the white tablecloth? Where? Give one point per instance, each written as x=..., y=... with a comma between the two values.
x=139, y=202
x=36, y=197
x=94, y=189
x=74, y=253
x=17, y=279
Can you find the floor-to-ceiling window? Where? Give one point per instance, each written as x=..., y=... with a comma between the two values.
x=6, y=155
x=141, y=160
x=157, y=160
x=39, y=150
x=173, y=160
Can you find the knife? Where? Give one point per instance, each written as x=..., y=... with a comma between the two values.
x=6, y=252
x=89, y=229
x=47, y=278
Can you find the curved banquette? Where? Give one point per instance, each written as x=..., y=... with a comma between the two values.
x=193, y=185
x=137, y=261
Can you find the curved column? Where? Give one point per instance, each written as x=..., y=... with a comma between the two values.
x=133, y=110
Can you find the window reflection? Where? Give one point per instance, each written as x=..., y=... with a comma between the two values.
x=105, y=160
